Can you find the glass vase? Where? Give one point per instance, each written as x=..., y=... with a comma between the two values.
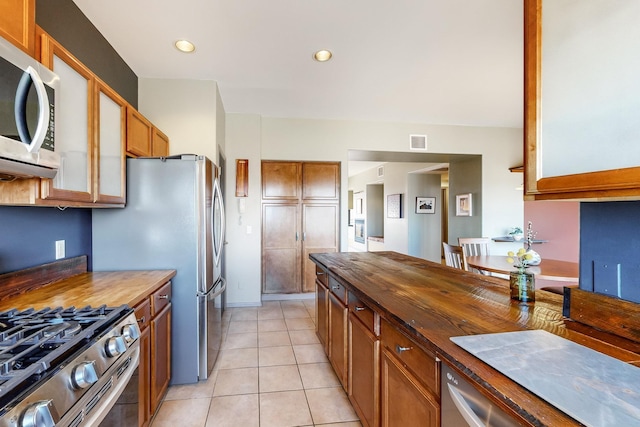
x=522, y=286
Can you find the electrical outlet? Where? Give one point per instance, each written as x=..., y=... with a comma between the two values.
x=60, y=249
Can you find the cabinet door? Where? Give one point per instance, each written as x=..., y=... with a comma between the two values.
x=111, y=113
x=160, y=356
x=321, y=181
x=280, y=248
x=159, y=144
x=338, y=338
x=405, y=402
x=281, y=180
x=17, y=23
x=320, y=233
x=364, y=372
x=576, y=149
x=144, y=379
x=74, y=125
x=139, y=131
x=322, y=315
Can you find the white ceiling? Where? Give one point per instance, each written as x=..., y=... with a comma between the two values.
x=422, y=61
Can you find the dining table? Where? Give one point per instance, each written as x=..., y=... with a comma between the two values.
x=548, y=269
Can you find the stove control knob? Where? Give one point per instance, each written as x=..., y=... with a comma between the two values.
x=130, y=332
x=115, y=346
x=40, y=414
x=83, y=375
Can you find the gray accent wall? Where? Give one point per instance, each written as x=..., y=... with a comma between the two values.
x=66, y=23
x=465, y=177
x=425, y=230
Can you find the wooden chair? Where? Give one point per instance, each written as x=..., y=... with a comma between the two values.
x=475, y=246
x=454, y=256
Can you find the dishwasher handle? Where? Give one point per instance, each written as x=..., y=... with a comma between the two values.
x=463, y=407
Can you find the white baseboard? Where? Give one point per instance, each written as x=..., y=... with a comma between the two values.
x=286, y=297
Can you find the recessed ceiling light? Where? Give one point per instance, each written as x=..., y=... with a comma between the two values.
x=185, y=46
x=322, y=55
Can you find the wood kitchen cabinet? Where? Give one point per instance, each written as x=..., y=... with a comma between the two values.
x=154, y=370
x=17, y=23
x=579, y=137
x=300, y=215
x=90, y=136
x=159, y=143
x=160, y=344
x=143, y=138
x=364, y=362
x=143, y=316
x=338, y=332
x=409, y=382
x=322, y=308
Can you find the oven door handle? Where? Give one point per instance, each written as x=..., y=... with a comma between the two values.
x=463, y=407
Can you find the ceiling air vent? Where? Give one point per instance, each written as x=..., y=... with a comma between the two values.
x=418, y=142
x=380, y=171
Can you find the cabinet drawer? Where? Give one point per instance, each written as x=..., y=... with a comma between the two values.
x=160, y=299
x=321, y=275
x=338, y=290
x=422, y=364
x=143, y=314
x=364, y=313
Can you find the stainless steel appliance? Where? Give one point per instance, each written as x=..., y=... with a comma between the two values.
x=27, y=116
x=463, y=405
x=65, y=367
x=174, y=219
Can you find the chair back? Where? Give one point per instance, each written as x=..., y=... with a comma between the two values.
x=474, y=246
x=454, y=256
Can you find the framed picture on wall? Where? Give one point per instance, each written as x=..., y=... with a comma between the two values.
x=394, y=206
x=425, y=205
x=463, y=204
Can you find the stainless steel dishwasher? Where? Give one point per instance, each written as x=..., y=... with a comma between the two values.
x=463, y=405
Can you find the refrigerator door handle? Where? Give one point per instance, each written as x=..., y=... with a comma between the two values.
x=217, y=195
x=215, y=291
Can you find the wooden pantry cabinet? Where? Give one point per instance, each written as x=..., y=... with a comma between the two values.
x=17, y=23
x=300, y=215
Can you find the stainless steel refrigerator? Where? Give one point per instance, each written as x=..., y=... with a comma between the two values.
x=173, y=219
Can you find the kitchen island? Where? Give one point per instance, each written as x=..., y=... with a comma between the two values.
x=430, y=303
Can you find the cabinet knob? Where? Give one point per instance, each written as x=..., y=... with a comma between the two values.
x=360, y=308
x=141, y=320
x=400, y=349
x=320, y=273
x=335, y=287
x=163, y=296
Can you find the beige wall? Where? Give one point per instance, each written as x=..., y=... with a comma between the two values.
x=256, y=138
x=190, y=112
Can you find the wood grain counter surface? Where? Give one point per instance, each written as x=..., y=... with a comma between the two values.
x=432, y=303
x=93, y=288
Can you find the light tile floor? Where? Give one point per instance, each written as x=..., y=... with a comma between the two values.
x=271, y=372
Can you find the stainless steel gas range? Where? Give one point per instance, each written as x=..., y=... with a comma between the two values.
x=65, y=367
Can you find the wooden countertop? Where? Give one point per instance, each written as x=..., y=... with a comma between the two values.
x=92, y=288
x=432, y=303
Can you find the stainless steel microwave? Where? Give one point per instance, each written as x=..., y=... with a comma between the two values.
x=27, y=116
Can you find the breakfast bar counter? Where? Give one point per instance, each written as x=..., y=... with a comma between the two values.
x=432, y=303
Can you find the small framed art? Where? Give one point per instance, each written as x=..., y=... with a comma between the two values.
x=394, y=206
x=463, y=205
x=425, y=205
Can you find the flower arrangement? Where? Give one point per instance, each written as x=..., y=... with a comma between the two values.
x=520, y=260
x=530, y=235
